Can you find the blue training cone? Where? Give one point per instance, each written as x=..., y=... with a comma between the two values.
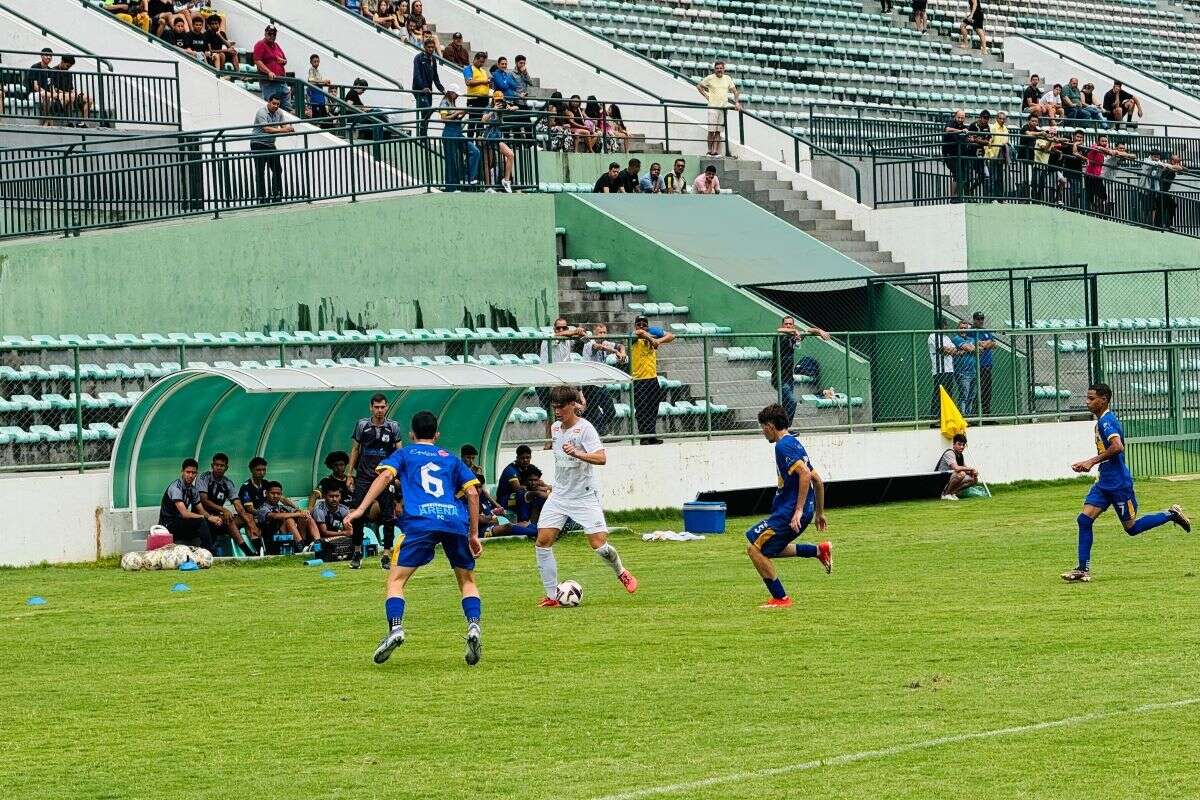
x=189, y=566
x=313, y=562
x=36, y=600
x=328, y=574
x=180, y=587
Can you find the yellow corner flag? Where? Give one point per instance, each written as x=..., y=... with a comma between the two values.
x=952, y=418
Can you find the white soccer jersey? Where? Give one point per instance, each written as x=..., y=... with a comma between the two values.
x=575, y=479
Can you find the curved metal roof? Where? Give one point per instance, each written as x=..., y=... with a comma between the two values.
x=294, y=417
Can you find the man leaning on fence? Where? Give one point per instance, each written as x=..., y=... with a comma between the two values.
x=966, y=369
x=941, y=359
x=985, y=344
x=269, y=122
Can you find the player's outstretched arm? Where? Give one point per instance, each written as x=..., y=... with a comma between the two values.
x=819, y=511
x=378, y=487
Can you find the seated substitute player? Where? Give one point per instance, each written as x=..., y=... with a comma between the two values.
x=376, y=437
x=337, y=463
x=799, y=501
x=575, y=493
x=520, y=490
x=253, y=493
x=441, y=506
x=329, y=514
x=275, y=514
x=490, y=512
x=177, y=511
x=216, y=490
x=1114, y=487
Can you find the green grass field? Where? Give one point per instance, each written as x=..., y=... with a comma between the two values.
x=940, y=620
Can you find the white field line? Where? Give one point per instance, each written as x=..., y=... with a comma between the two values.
x=887, y=752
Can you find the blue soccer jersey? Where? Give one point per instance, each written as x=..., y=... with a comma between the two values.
x=1114, y=473
x=432, y=482
x=789, y=455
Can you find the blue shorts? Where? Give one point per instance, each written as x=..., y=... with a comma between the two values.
x=1123, y=501
x=417, y=549
x=771, y=541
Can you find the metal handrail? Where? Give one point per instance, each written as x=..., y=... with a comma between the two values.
x=50, y=32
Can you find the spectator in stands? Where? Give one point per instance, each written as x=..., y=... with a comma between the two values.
x=354, y=97
x=613, y=129
x=455, y=145
x=653, y=182
x=919, y=17
x=416, y=15
x=557, y=124
x=1166, y=201
x=1119, y=104
x=1046, y=159
x=1031, y=98
x=783, y=370
x=456, y=52
x=1074, y=158
x=215, y=490
x=598, y=348
x=1089, y=105
x=161, y=13
x=271, y=63
x=525, y=81
x=252, y=494
x=177, y=35
x=973, y=21
x=132, y=13
x=966, y=369
x=425, y=77
x=221, y=51
x=1151, y=170
x=941, y=359
x=318, y=99
x=1074, y=105
x=177, y=511
x=269, y=122
x=960, y=475
x=498, y=155
x=1052, y=105
x=885, y=6
x=998, y=155
x=631, y=182
x=1115, y=163
x=197, y=43
x=504, y=82
x=582, y=129
x=385, y=16
x=276, y=516
x=643, y=361
x=73, y=101
x=985, y=344
x=184, y=8
x=954, y=143
x=717, y=88
x=478, y=84
x=600, y=409
x=675, y=181
x=338, y=463
x=610, y=181
x=707, y=182
x=979, y=136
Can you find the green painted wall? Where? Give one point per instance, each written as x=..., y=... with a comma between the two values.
x=435, y=260
x=562, y=167
x=632, y=256
x=1012, y=235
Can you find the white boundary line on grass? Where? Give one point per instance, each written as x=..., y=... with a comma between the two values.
x=886, y=752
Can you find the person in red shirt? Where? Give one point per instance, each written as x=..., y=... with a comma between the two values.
x=272, y=63
x=1093, y=182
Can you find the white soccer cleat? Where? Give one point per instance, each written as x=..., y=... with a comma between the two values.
x=474, y=645
x=394, y=639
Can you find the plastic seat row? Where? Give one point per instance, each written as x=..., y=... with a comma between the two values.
x=837, y=401
x=569, y=188
x=37, y=434
x=582, y=264
x=1047, y=392
x=58, y=402
x=700, y=328
x=765, y=375
x=744, y=353
x=616, y=287
x=657, y=309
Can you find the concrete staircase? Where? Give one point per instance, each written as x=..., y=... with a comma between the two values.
x=766, y=190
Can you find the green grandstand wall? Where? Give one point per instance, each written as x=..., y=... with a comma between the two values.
x=439, y=260
x=563, y=167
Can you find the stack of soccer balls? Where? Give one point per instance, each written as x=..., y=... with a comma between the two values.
x=170, y=557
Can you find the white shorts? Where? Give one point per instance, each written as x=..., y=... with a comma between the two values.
x=585, y=512
x=716, y=120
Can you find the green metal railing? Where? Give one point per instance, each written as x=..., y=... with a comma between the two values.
x=114, y=98
x=63, y=398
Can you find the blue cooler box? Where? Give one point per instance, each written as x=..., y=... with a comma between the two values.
x=704, y=517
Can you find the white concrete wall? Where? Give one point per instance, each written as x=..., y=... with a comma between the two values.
x=1167, y=107
x=51, y=517
x=671, y=474
x=925, y=238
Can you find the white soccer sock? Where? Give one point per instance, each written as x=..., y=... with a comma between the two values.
x=609, y=554
x=547, y=568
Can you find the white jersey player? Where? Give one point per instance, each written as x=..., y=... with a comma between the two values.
x=575, y=493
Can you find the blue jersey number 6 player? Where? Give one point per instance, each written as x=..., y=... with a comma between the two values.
x=799, y=501
x=1114, y=487
x=441, y=506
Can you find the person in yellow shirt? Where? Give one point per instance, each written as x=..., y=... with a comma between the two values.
x=716, y=89
x=996, y=154
x=643, y=364
x=479, y=90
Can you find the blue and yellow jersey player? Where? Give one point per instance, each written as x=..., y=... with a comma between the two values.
x=799, y=501
x=1114, y=486
x=441, y=506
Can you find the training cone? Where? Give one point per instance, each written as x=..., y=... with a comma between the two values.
x=180, y=587
x=328, y=574
x=313, y=562
x=189, y=566
x=36, y=601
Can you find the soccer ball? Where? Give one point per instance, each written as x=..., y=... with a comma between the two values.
x=202, y=557
x=132, y=562
x=183, y=553
x=168, y=558
x=153, y=559
x=568, y=594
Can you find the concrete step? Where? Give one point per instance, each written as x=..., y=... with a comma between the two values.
x=834, y=237
x=852, y=246
x=801, y=203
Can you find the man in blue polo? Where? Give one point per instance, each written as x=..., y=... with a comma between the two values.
x=985, y=344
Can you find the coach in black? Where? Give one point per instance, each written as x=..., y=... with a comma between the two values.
x=375, y=437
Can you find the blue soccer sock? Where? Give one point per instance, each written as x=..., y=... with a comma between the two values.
x=529, y=530
x=1085, y=540
x=1143, y=524
x=472, y=608
x=394, y=608
x=775, y=587
x=806, y=551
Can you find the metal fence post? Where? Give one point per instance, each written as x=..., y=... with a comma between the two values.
x=78, y=384
x=849, y=389
x=375, y=351
x=1057, y=376
x=912, y=360
x=632, y=403
x=707, y=391
x=666, y=129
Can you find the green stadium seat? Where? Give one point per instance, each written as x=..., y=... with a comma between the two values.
x=72, y=432
x=103, y=429
x=15, y=435
x=398, y=361
x=58, y=402
x=621, y=410
x=230, y=337
x=258, y=337
x=13, y=340
x=31, y=403
x=47, y=434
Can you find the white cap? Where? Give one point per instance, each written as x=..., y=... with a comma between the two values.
x=453, y=87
